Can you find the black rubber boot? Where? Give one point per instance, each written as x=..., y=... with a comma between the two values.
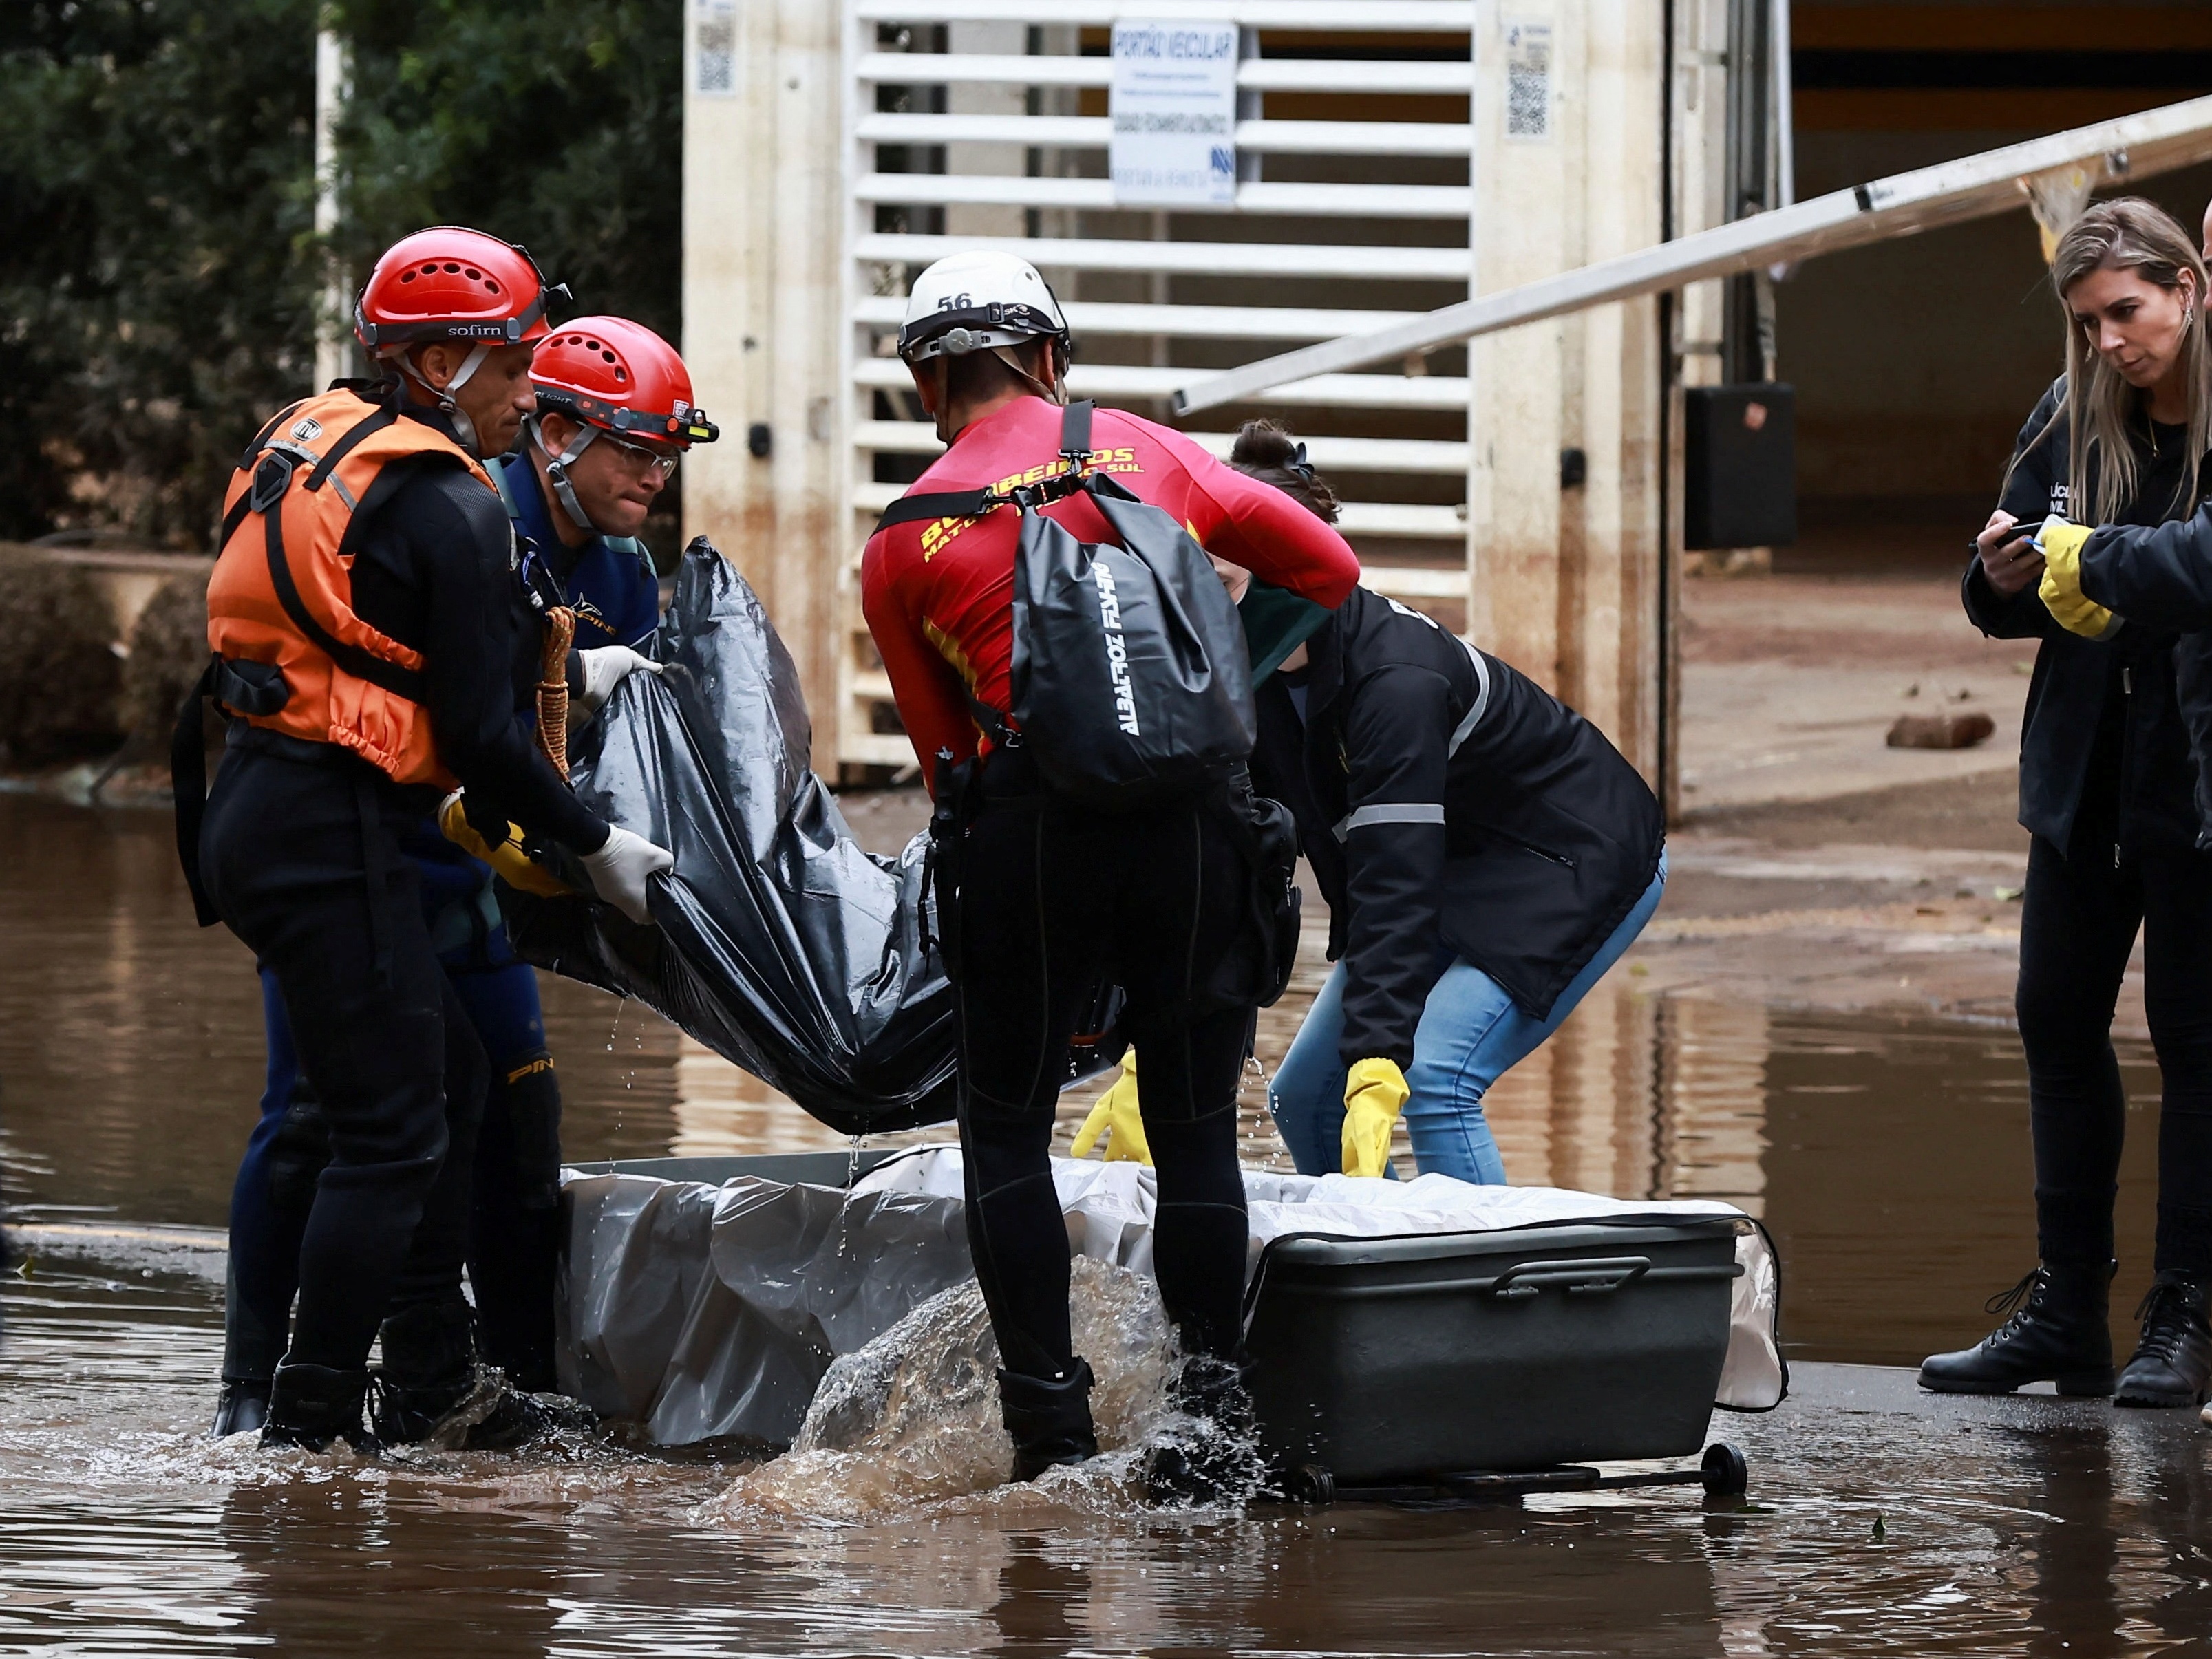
x=1050, y=1421
x=242, y=1407
x=434, y=1389
x=2173, y=1363
x=313, y=1406
x=1214, y=1454
x=2057, y=1333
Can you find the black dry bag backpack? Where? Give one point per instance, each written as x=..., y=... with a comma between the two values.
x=1130, y=678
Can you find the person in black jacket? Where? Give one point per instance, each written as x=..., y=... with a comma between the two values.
x=1485, y=852
x=2105, y=792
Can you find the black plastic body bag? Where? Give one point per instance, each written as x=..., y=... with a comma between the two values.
x=781, y=945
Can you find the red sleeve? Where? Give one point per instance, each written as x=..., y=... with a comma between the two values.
x=931, y=700
x=1258, y=527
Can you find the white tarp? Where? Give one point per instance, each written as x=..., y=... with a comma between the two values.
x=708, y=1311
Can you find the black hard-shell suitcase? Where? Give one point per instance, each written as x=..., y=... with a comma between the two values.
x=1378, y=1362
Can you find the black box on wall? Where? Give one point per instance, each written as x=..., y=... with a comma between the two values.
x=1740, y=465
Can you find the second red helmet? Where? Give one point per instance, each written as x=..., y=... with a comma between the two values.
x=621, y=377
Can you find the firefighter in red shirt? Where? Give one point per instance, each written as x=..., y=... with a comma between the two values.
x=1055, y=898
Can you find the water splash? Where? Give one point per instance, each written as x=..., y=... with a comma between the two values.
x=913, y=1417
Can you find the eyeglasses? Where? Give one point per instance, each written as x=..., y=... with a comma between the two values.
x=641, y=460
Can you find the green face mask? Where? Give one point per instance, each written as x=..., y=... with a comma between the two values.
x=1277, y=622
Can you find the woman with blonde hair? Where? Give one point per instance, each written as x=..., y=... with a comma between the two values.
x=2107, y=794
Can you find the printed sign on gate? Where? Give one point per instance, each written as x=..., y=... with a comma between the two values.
x=1173, y=102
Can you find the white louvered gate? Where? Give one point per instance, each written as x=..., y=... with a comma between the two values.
x=982, y=122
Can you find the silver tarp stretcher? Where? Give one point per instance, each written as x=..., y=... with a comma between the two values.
x=704, y=1310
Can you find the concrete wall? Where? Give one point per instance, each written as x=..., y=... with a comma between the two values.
x=764, y=308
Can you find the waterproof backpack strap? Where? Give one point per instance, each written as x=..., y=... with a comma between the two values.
x=940, y=504
x=1075, y=433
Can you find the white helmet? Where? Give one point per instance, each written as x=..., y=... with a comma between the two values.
x=976, y=301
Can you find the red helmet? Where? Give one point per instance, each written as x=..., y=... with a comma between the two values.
x=452, y=283
x=621, y=377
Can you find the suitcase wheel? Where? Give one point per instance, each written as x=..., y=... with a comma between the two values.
x=1310, y=1483
x=1724, y=1472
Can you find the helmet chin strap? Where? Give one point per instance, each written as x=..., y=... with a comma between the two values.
x=1056, y=395
x=463, y=427
x=556, y=472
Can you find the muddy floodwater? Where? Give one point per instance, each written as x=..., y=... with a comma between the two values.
x=1888, y=1156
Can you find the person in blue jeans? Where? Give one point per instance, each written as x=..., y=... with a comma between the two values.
x=576, y=492
x=1485, y=856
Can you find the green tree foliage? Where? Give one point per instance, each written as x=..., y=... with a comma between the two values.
x=154, y=194
x=557, y=123
x=158, y=267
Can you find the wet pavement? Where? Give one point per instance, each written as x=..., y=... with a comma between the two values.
x=1885, y=1148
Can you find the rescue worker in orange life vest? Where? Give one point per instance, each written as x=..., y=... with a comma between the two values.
x=372, y=650
x=601, y=375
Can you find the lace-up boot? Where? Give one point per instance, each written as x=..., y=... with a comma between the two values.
x=2173, y=1363
x=2056, y=1332
x=1049, y=1420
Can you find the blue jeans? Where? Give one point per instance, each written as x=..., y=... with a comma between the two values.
x=1471, y=1033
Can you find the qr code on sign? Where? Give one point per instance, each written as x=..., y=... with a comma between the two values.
x=716, y=42
x=1527, y=80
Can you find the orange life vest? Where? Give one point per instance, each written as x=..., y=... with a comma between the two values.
x=281, y=593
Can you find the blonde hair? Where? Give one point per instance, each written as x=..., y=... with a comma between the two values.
x=2100, y=408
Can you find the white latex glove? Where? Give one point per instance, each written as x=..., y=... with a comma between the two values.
x=606, y=668
x=619, y=870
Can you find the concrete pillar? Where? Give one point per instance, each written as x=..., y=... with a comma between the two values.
x=1697, y=89
x=1610, y=545
x=1567, y=170
x=1520, y=234
x=763, y=314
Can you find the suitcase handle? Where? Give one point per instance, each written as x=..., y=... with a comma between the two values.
x=1591, y=1276
x=1519, y=1282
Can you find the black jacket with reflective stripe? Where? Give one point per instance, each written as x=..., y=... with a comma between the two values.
x=1519, y=838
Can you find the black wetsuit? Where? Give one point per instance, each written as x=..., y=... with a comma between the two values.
x=1055, y=900
x=301, y=850
x=2107, y=792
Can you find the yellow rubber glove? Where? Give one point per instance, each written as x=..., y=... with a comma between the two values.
x=1116, y=1110
x=2060, y=543
x=1374, y=1092
x=514, y=867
